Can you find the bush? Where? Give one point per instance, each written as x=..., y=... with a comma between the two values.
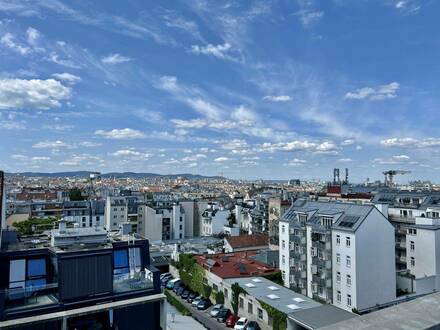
x=176, y=303
x=219, y=298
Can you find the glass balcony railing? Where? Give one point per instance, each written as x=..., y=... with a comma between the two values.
x=18, y=299
x=142, y=280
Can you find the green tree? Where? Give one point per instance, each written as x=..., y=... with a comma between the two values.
x=219, y=298
x=236, y=291
x=279, y=319
x=207, y=290
x=75, y=194
x=191, y=273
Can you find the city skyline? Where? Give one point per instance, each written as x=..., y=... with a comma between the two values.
x=270, y=89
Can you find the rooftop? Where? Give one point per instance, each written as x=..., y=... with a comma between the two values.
x=245, y=241
x=420, y=313
x=237, y=264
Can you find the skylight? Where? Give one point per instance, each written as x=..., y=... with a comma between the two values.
x=299, y=300
x=293, y=306
x=273, y=288
x=257, y=280
x=250, y=285
x=273, y=296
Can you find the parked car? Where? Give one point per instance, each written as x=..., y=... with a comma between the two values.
x=241, y=324
x=191, y=297
x=203, y=304
x=215, y=310
x=252, y=325
x=231, y=320
x=196, y=301
x=173, y=283
x=185, y=294
x=223, y=315
x=180, y=290
x=162, y=276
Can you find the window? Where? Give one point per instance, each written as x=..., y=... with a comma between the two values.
x=240, y=303
x=115, y=209
x=29, y=273
x=226, y=293
x=349, y=300
x=214, y=287
x=283, y=258
x=347, y=241
x=338, y=277
x=260, y=313
x=125, y=260
x=412, y=231
x=283, y=229
x=338, y=296
x=348, y=261
x=412, y=245
x=283, y=244
x=348, y=280
x=180, y=227
x=250, y=308
x=338, y=258
x=413, y=262
x=338, y=240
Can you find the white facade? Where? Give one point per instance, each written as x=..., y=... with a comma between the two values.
x=161, y=222
x=345, y=256
x=116, y=212
x=213, y=220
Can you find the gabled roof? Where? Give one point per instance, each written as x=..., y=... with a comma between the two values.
x=247, y=241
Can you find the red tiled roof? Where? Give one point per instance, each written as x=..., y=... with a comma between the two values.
x=237, y=264
x=244, y=241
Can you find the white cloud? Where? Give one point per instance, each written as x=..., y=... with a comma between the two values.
x=82, y=160
x=67, y=77
x=8, y=41
x=121, y=134
x=194, y=158
x=296, y=162
x=193, y=123
x=277, y=98
x=32, y=36
x=33, y=93
x=115, y=59
x=221, y=159
x=348, y=142
x=52, y=145
x=309, y=18
x=132, y=154
x=219, y=51
x=401, y=157
x=244, y=115
x=375, y=93
x=345, y=160
x=408, y=142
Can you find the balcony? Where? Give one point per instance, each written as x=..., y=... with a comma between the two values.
x=21, y=299
x=136, y=281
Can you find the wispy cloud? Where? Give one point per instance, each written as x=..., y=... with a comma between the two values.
x=277, y=98
x=379, y=93
x=115, y=59
x=121, y=134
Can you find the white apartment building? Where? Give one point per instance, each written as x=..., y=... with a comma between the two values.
x=85, y=213
x=116, y=212
x=339, y=253
x=161, y=223
x=213, y=220
x=423, y=254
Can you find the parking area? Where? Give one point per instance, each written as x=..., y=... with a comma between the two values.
x=202, y=316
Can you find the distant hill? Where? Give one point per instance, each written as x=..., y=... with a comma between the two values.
x=118, y=175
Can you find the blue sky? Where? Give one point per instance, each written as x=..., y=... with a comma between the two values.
x=251, y=89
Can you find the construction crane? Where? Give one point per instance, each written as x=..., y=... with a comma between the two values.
x=389, y=176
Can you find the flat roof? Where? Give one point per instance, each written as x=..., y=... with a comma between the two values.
x=420, y=313
x=277, y=296
x=320, y=316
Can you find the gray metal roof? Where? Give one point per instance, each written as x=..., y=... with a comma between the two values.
x=277, y=296
x=418, y=314
x=321, y=316
x=348, y=216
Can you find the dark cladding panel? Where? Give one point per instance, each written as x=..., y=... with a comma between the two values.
x=85, y=276
x=138, y=317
